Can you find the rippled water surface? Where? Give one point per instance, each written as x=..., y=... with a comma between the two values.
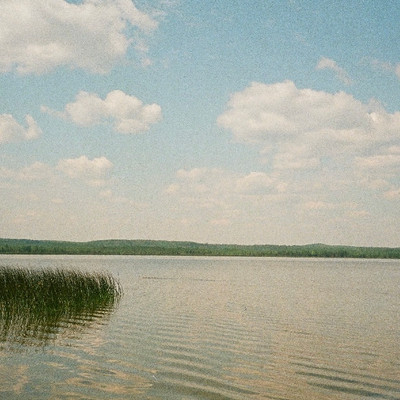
x=218, y=328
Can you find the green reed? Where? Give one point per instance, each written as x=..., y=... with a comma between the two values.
x=36, y=302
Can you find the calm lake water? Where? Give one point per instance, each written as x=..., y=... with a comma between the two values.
x=218, y=328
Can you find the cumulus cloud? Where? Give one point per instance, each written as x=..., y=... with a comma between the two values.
x=265, y=113
x=320, y=151
x=302, y=126
x=127, y=113
x=12, y=131
x=341, y=74
x=94, y=172
x=37, y=36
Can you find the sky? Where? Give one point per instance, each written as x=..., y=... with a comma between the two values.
x=223, y=121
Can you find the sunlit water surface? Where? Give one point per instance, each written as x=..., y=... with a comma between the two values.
x=218, y=328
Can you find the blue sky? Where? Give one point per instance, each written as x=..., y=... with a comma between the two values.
x=222, y=121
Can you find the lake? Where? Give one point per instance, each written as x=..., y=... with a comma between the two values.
x=217, y=328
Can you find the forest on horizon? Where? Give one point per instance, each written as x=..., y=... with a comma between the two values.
x=181, y=248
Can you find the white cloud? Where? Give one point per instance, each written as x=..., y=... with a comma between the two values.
x=269, y=113
x=324, y=155
x=127, y=113
x=94, y=172
x=297, y=128
x=88, y=109
x=12, y=131
x=341, y=74
x=37, y=36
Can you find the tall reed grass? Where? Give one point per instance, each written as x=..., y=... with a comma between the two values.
x=38, y=303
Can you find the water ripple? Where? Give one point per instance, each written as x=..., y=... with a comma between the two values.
x=230, y=330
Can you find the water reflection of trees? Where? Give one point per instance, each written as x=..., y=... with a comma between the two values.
x=37, y=306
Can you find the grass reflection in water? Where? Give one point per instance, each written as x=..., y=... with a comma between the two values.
x=38, y=305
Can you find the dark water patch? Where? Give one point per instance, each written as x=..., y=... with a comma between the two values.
x=349, y=381
x=173, y=389
x=199, y=387
x=336, y=371
x=354, y=391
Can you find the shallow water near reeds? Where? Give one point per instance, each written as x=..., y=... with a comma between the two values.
x=216, y=328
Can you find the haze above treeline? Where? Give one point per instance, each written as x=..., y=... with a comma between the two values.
x=183, y=248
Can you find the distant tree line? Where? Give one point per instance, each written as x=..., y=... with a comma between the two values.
x=175, y=248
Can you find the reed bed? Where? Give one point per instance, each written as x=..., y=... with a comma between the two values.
x=37, y=303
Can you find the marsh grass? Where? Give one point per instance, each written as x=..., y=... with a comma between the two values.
x=36, y=305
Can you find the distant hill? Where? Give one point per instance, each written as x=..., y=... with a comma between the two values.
x=161, y=247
